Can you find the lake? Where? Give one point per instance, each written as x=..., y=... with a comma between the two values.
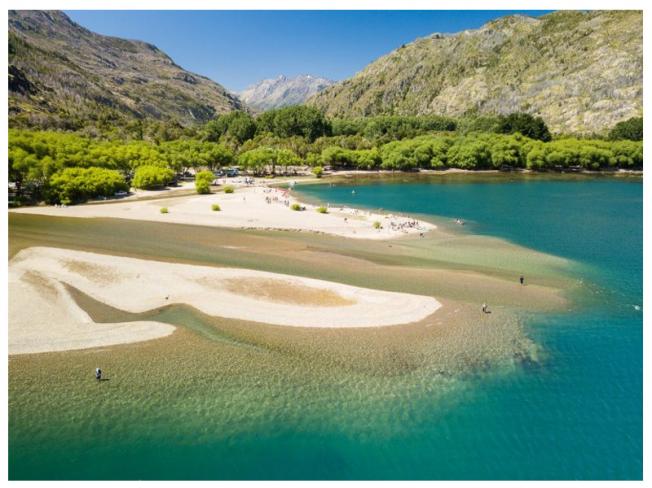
x=234, y=401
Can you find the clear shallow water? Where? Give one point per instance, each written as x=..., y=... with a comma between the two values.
x=580, y=415
x=576, y=414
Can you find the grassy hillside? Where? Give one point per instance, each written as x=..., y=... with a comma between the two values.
x=63, y=75
x=581, y=72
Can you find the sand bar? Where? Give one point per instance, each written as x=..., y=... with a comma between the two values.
x=44, y=317
x=258, y=207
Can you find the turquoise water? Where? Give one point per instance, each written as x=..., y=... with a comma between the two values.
x=238, y=414
x=579, y=415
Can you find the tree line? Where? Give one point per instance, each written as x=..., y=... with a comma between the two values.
x=40, y=162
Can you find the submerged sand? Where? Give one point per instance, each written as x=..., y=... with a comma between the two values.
x=44, y=317
x=249, y=208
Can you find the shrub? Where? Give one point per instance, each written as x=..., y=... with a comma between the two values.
x=318, y=171
x=631, y=129
x=215, y=207
x=229, y=189
x=203, y=181
x=526, y=124
x=378, y=225
x=322, y=209
x=296, y=207
x=149, y=177
x=164, y=210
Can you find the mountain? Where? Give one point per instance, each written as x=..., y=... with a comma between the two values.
x=60, y=71
x=282, y=91
x=580, y=71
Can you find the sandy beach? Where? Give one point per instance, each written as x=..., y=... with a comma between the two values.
x=257, y=207
x=43, y=317
x=38, y=297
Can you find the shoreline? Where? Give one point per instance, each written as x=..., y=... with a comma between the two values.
x=249, y=207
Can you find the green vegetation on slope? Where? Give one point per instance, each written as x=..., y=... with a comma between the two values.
x=66, y=77
x=581, y=71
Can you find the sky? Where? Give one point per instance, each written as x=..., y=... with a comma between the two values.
x=239, y=48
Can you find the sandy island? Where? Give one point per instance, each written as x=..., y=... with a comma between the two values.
x=44, y=317
x=257, y=207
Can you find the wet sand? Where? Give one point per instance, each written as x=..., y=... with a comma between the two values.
x=457, y=337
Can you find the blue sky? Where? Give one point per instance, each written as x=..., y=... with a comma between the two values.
x=238, y=48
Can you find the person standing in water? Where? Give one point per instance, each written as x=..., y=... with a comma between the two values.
x=98, y=374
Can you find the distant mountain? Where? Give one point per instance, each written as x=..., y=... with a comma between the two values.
x=580, y=71
x=61, y=71
x=282, y=91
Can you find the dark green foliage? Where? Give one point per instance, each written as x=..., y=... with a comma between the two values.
x=292, y=121
x=525, y=124
x=75, y=185
x=631, y=129
x=237, y=125
x=392, y=127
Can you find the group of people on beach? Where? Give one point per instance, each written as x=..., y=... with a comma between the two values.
x=405, y=225
x=278, y=196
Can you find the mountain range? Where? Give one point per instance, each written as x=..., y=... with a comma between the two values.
x=580, y=71
x=283, y=91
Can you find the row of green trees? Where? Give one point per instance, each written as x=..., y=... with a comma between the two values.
x=488, y=151
x=36, y=156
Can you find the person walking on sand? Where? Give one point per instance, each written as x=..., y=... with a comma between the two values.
x=484, y=308
x=98, y=374
x=522, y=279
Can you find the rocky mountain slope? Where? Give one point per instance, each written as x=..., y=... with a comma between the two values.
x=63, y=72
x=282, y=91
x=581, y=72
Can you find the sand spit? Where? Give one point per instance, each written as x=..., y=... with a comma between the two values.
x=43, y=316
x=257, y=207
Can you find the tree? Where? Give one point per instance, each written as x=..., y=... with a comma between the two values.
x=256, y=160
x=297, y=120
x=505, y=151
x=237, y=125
x=631, y=129
x=526, y=124
x=75, y=185
x=338, y=157
x=149, y=177
x=286, y=158
x=203, y=181
x=469, y=153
